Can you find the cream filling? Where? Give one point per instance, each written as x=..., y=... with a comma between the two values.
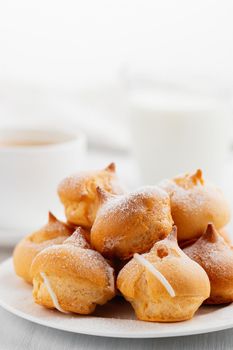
x=141, y=260
x=52, y=294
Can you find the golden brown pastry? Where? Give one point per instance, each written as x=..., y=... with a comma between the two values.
x=79, y=197
x=54, y=232
x=131, y=223
x=216, y=257
x=71, y=277
x=195, y=203
x=164, y=285
x=223, y=232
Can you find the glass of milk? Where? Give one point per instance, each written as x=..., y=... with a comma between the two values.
x=174, y=133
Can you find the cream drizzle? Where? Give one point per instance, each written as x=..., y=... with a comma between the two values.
x=141, y=260
x=52, y=294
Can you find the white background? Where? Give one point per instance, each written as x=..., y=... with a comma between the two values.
x=84, y=42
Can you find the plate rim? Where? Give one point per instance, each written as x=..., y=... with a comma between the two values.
x=224, y=325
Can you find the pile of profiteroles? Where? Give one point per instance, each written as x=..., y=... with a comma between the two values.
x=163, y=248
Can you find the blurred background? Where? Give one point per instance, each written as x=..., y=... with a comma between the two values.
x=149, y=82
x=76, y=61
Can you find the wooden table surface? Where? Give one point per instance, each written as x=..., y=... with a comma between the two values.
x=19, y=334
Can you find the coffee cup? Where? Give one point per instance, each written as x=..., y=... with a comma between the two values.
x=32, y=163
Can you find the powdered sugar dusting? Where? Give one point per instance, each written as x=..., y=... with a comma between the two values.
x=83, y=184
x=70, y=183
x=85, y=259
x=191, y=194
x=188, y=197
x=213, y=257
x=134, y=201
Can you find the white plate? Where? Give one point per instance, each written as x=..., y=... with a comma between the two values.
x=116, y=319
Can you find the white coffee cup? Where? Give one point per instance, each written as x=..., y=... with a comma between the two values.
x=174, y=134
x=32, y=163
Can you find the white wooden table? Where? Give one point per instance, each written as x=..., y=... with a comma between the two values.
x=19, y=334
